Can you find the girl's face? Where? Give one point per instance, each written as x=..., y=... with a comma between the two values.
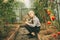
x=31, y=15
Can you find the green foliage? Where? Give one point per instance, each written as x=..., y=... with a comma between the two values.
x=40, y=6
x=7, y=15
x=40, y=9
x=6, y=11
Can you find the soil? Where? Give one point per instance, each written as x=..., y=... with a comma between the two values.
x=45, y=33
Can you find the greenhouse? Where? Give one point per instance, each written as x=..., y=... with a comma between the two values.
x=29, y=19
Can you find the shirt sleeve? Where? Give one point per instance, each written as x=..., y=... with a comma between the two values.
x=34, y=23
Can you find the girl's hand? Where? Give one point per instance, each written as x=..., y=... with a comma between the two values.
x=26, y=23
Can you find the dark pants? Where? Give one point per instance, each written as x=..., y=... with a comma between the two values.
x=33, y=29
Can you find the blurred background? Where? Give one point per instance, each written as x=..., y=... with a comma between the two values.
x=13, y=12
